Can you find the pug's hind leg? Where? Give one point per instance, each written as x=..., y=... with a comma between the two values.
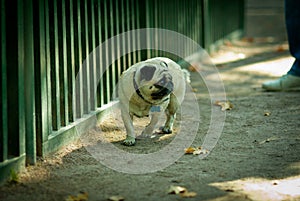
x=148, y=131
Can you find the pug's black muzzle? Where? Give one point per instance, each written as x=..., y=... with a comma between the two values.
x=163, y=91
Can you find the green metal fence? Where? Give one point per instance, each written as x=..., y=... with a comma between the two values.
x=44, y=43
x=222, y=20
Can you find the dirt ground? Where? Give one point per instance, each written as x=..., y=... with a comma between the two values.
x=256, y=158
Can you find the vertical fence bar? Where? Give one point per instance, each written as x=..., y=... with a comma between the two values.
x=189, y=31
x=106, y=55
x=93, y=65
x=129, y=37
x=86, y=68
x=56, y=69
x=112, y=71
x=138, y=26
x=156, y=25
x=64, y=65
x=92, y=58
x=56, y=81
x=20, y=117
x=3, y=123
x=48, y=71
x=148, y=25
x=12, y=56
x=123, y=29
x=118, y=64
x=42, y=113
x=100, y=56
x=29, y=84
x=207, y=22
x=133, y=19
x=79, y=83
x=72, y=66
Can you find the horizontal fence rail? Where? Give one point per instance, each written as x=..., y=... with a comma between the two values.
x=46, y=44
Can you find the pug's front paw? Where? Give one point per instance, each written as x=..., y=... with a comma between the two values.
x=166, y=130
x=129, y=141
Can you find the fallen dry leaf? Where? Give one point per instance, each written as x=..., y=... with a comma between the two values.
x=83, y=196
x=189, y=150
x=280, y=48
x=225, y=105
x=194, y=68
x=200, y=151
x=267, y=114
x=182, y=191
x=248, y=39
x=269, y=140
x=228, y=43
x=116, y=198
x=195, y=90
x=196, y=151
x=187, y=194
x=176, y=190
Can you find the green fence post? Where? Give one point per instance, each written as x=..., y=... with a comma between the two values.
x=72, y=68
x=93, y=72
x=41, y=93
x=79, y=83
x=118, y=44
x=112, y=70
x=100, y=55
x=64, y=65
x=123, y=29
x=86, y=69
x=19, y=76
x=106, y=74
x=29, y=83
x=56, y=99
x=3, y=118
x=48, y=80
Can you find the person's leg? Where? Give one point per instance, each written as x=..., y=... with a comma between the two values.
x=292, y=79
x=292, y=17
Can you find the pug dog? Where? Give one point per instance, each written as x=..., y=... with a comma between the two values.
x=149, y=88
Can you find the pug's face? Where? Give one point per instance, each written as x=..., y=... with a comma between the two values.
x=155, y=81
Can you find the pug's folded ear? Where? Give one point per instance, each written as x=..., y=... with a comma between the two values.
x=147, y=72
x=164, y=64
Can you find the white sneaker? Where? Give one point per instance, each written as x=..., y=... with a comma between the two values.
x=284, y=83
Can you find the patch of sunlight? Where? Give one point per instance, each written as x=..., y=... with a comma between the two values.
x=260, y=189
x=226, y=57
x=271, y=68
x=277, y=67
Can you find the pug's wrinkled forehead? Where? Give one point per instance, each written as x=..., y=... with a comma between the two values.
x=154, y=68
x=159, y=63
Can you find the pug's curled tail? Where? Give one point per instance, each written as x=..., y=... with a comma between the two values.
x=187, y=75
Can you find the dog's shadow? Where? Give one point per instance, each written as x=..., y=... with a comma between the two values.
x=113, y=131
